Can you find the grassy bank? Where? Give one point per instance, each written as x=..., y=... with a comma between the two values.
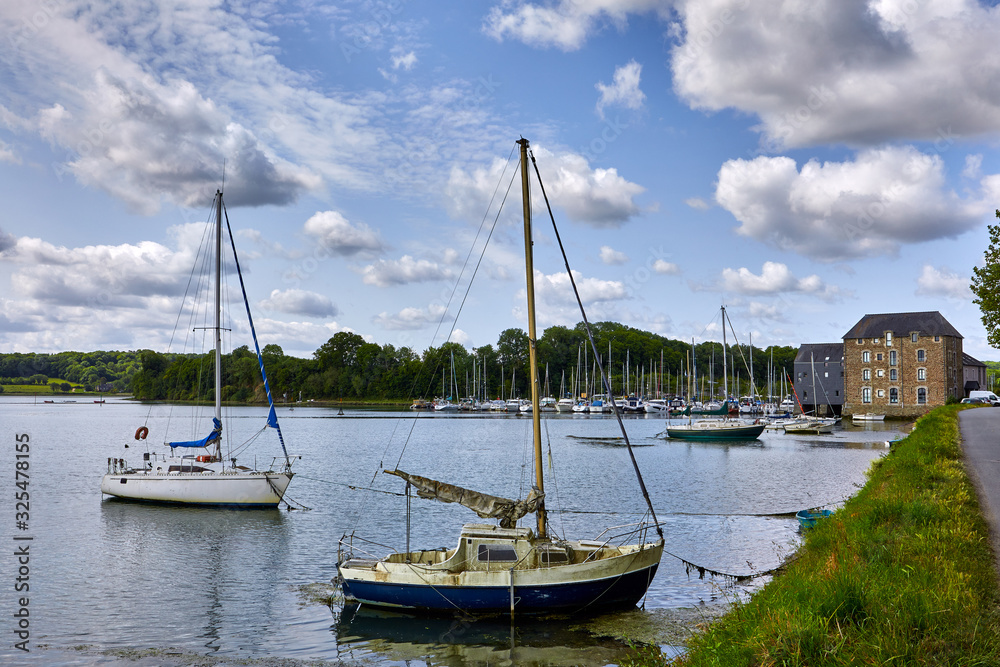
x=903, y=574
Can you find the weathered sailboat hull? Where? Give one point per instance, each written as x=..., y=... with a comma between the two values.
x=250, y=490
x=612, y=583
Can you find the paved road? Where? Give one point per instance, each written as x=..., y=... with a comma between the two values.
x=981, y=443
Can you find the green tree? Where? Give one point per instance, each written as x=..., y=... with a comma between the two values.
x=986, y=286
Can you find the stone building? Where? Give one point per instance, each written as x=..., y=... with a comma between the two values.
x=901, y=364
x=819, y=378
x=973, y=374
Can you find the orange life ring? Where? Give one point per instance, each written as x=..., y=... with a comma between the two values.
x=141, y=433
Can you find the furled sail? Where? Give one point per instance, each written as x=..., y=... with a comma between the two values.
x=204, y=442
x=486, y=506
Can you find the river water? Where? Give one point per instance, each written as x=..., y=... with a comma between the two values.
x=122, y=583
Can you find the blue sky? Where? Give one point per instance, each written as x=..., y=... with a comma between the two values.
x=803, y=163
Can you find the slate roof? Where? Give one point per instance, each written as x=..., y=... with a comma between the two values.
x=820, y=352
x=931, y=323
x=971, y=361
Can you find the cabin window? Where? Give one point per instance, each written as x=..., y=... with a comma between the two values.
x=550, y=557
x=866, y=394
x=497, y=552
x=921, y=355
x=913, y=337
x=866, y=357
x=888, y=339
x=186, y=468
x=921, y=396
x=921, y=373
x=866, y=374
x=892, y=358
x=894, y=395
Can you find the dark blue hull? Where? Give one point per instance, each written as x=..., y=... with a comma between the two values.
x=614, y=592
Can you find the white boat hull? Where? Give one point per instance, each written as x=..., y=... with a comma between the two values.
x=232, y=489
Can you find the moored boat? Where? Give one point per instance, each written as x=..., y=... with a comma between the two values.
x=208, y=476
x=507, y=568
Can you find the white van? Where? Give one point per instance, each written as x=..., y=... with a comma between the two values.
x=989, y=396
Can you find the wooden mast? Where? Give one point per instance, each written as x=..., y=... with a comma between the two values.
x=536, y=422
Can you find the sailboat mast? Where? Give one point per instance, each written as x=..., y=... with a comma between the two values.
x=536, y=422
x=725, y=371
x=218, y=316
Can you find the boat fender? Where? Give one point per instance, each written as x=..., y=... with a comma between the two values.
x=756, y=421
x=141, y=433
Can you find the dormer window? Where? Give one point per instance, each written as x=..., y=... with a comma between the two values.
x=914, y=336
x=888, y=339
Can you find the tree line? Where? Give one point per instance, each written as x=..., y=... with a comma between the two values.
x=347, y=367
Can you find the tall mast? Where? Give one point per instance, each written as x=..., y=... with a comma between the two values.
x=725, y=371
x=218, y=316
x=536, y=423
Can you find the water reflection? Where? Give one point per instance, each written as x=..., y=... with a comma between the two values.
x=467, y=640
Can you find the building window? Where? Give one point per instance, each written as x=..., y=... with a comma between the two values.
x=879, y=372
x=878, y=357
x=861, y=341
x=921, y=396
x=866, y=394
x=913, y=337
x=888, y=339
x=937, y=339
x=866, y=357
x=836, y=392
x=892, y=358
x=921, y=355
x=893, y=395
x=921, y=373
x=826, y=374
x=866, y=374
x=893, y=374
x=880, y=393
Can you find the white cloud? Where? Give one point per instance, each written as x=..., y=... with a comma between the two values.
x=943, y=282
x=596, y=197
x=697, y=203
x=337, y=235
x=405, y=270
x=611, y=256
x=405, y=61
x=776, y=278
x=837, y=210
x=564, y=24
x=299, y=302
x=663, y=267
x=861, y=72
x=624, y=90
x=410, y=318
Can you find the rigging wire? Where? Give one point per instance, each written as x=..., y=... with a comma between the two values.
x=590, y=336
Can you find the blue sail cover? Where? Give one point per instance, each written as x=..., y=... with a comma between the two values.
x=204, y=442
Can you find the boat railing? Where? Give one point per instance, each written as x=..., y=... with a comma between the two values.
x=347, y=546
x=613, y=535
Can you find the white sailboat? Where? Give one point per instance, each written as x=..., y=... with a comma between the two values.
x=505, y=568
x=205, y=476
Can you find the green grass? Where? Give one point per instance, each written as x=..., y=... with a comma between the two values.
x=903, y=574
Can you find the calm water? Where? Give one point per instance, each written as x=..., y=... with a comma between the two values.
x=110, y=575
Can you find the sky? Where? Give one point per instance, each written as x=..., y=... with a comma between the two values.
x=802, y=163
